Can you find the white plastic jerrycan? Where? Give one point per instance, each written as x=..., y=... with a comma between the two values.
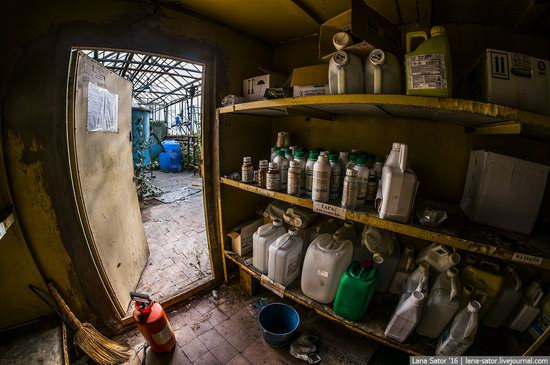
x=417, y=281
x=406, y=317
x=382, y=73
x=325, y=262
x=527, y=309
x=261, y=240
x=508, y=297
x=345, y=74
x=442, y=304
x=404, y=268
x=398, y=186
x=439, y=257
x=284, y=258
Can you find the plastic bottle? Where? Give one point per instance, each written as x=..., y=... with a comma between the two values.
x=417, y=281
x=346, y=232
x=542, y=322
x=247, y=171
x=378, y=241
x=527, y=309
x=325, y=261
x=274, y=151
x=293, y=183
x=351, y=162
x=363, y=175
x=442, y=304
x=467, y=294
x=439, y=257
x=285, y=257
x=288, y=154
x=429, y=67
x=309, y=172
x=262, y=240
x=507, y=299
x=372, y=186
x=321, y=180
x=487, y=278
x=355, y=290
x=335, y=176
x=404, y=268
x=350, y=190
x=262, y=175
x=405, y=317
x=398, y=186
x=299, y=156
x=387, y=268
x=343, y=158
x=457, y=338
x=283, y=168
x=273, y=177
x=378, y=166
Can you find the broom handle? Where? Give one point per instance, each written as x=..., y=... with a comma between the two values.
x=64, y=307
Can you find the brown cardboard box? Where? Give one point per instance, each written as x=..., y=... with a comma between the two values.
x=366, y=24
x=254, y=88
x=241, y=236
x=310, y=80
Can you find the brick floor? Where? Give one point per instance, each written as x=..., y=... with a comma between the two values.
x=175, y=232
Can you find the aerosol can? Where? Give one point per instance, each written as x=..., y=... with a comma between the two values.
x=153, y=323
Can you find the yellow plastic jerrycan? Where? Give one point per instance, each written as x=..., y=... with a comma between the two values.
x=429, y=67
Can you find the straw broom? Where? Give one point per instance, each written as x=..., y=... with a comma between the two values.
x=98, y=347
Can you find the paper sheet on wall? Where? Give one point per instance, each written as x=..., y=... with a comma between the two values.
x=102, y=110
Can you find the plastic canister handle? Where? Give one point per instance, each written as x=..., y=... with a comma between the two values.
x=412, y=35
x=403, y=156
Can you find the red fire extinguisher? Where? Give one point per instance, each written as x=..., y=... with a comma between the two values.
x=153, y=323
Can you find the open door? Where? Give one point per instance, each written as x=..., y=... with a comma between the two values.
x=100, y=113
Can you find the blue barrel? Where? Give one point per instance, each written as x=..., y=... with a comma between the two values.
x=164, y=159
x=174, y=153
x=140, y=121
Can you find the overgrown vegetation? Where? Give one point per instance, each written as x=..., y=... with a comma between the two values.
x=144, y=187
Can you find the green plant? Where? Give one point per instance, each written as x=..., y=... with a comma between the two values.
x=144, y=186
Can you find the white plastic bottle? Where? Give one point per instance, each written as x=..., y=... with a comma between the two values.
x=441, y=306
x=439, y=257
x=335, y=176
x=417, y=281
x=405, y=317
x=343, y=158
x=309, y=172
x=404, y=268
x=363, y=175
x=293, y=182
x=372, y=186
x=274, y=151
x=299, y=156
x=285, y=257
x=261, y=240
x=321, y=180
x=350, y=190
x=288, y=155
x=282, y=162
x=527, y=309
x=507, y=299
x=325, y=261
x=346, y=232
x=457, y=338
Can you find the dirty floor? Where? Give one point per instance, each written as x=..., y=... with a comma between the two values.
x=175, y=231
x=225, y=331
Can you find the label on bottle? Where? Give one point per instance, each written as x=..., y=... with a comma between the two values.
x=273, y=182
x=284, y=176
x=330, y=210
x=349, y=194
x=247, y=174
x=322, y=273
x=293, y=265
x=426, y=71
x=293, y=187
x=309, y=182
x=321, y=183
x=163, y=336
x=363, y=187
x=334, y=183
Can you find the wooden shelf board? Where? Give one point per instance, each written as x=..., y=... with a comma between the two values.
x=457, y=231
x=457, y=111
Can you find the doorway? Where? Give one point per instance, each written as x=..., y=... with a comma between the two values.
x=165, y=127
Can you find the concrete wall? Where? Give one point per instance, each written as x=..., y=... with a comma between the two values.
x=33, y=82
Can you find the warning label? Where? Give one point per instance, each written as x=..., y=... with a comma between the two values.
x=427, y=71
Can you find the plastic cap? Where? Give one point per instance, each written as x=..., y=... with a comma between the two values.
x=360, y=160
x=341, y=40
x=454, y=258
x=469, y=289
x=396, y=146
x=341, y=58
x=322, y=158
x=377, y=57
x=264, y=163
x=275, y=149
x=273, y=165
x=348, y=224
x=417, y=297
x=313, y=155
x=247, y=159
x=452, y=272
x=474, y=306
x=333, y=157
x=298, y=154
x=293, y=231
x=351, y=172
x=377, y=258
x=437, y=30
x=277, y=222
x=281, y=153
x=424, y=266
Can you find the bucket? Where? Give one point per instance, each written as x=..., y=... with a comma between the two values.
x=279, y=322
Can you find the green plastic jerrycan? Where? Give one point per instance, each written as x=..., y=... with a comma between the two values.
x=429, y=67
x=355, y=290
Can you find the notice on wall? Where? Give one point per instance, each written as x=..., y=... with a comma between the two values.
x=526, y=259
x=102, y=110
x=328, y=209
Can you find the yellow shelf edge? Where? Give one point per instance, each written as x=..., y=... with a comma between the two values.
x=401, y=228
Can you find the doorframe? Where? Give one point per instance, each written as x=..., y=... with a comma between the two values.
x=209, y=171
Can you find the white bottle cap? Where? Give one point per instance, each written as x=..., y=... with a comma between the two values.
x=377, y=258
x=454, y=259
x=452, y=272
x=474, y=306
x=264, y=163
x=247, y=159
x=273, y=165
x=341, y=40
x=277, y=222
x=417, y=297
x=396, y=146
x=322, y=158
x=293, y=231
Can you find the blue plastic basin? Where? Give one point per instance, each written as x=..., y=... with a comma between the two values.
x=279, y=322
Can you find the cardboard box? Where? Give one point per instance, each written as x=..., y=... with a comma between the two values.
x=511, y=79
x=241, y=236
x=254, y=87
x=502, y=191
x=364, y=23
x=310, y=80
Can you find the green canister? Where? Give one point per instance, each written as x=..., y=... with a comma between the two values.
x=355, y=290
